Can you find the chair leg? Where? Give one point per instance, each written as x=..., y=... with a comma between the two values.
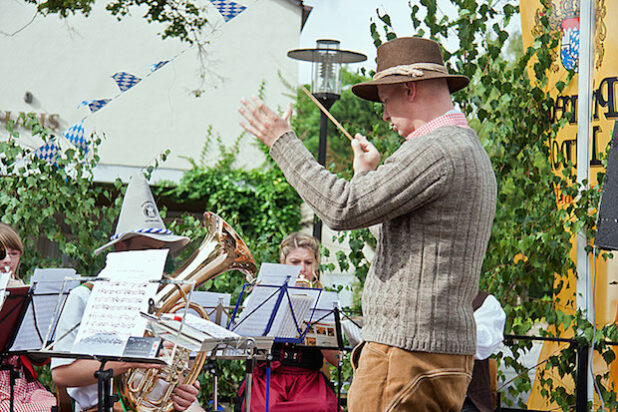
x=65, y=403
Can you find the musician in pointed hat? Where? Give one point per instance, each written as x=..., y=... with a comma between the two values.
x=139, y=227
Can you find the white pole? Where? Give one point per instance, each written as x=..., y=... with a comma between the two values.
x=584, y=296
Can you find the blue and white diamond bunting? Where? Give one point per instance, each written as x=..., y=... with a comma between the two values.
x=75, y=135
x=157, y=66
x=94, y=105
x=125, y=80
x=228, y=9
x=49, y=151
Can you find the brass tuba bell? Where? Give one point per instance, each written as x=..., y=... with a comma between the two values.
x=221, y=250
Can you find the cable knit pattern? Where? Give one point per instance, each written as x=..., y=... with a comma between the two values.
x=435, y=198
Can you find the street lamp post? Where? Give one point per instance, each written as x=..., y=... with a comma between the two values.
x=326, y=61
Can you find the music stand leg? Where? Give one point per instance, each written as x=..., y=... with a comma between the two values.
x=268, y=359
x=99, y=391
x=249, y=365
x=211, y=367
x=104, y=387
x=215, y=395
x=339, y=365
x=13, y=375
x=336, y=314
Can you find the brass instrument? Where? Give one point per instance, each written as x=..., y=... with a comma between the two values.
x=303, y=282
x=221, y=250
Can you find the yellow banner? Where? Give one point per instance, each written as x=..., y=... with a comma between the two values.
x=564, y=18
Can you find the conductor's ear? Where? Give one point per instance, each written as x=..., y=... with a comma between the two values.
x=410, y=90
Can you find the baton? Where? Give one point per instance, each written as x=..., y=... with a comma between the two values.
x=330, y=116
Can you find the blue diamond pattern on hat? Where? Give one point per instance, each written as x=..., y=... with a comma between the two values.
x=228, y=8
x=125, y=80
x=49, y=151
x=157, y=66
x=94, y=105
x=75, y=135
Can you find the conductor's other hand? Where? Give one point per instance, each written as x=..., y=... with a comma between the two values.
x=262, y=122
x=184, y=395
x=366, y=156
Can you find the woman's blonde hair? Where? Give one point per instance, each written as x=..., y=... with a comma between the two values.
x=10, y=238
x=297, y=239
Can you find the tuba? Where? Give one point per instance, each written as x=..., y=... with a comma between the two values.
x=221, y=250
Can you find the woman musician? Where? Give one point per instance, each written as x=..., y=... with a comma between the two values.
x=296, y=382
x=28, y=393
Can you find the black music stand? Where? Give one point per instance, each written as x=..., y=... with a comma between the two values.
x=280, y=296
x=137, y=349
x=39, y=321
x=39, y=344
x=282, y=300
x=11, y=315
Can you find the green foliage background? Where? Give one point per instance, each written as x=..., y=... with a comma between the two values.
x=55, y=203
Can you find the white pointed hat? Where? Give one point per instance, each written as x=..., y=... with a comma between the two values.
x=139, y=216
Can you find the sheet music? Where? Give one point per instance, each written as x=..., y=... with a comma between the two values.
x=284, y=325
x=253, y=323
x=351, y=331
x=274, y=274
x=209, y=301
x=47, y=284
x=253, y=320
x=260, y=303
x=4, y=280
x=210, y=329
x=196, y=333
x=112, y=312
x=326, y=303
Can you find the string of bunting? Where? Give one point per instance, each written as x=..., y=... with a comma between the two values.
x=50, y=151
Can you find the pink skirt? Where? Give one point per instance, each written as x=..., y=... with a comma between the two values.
x=291, y=389
x=27, y=396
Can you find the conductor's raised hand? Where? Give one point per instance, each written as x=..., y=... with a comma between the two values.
x=263, y=122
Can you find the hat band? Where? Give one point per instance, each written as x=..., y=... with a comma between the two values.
x=147, y=230
x=414, y=70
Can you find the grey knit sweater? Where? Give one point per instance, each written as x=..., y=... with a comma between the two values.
x=435, y=198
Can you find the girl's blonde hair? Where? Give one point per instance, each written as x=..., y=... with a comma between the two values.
x=297, y=239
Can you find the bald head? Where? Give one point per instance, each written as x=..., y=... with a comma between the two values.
x=408, y=106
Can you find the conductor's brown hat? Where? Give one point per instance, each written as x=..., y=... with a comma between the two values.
x=408, y=59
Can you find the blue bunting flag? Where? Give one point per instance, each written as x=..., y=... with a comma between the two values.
x=228, y=9
x=125, y=80
x=75, y=135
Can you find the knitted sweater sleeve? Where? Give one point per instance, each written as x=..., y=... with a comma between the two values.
x=413, y=176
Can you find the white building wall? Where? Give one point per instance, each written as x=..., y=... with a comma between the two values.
x=64, y=61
